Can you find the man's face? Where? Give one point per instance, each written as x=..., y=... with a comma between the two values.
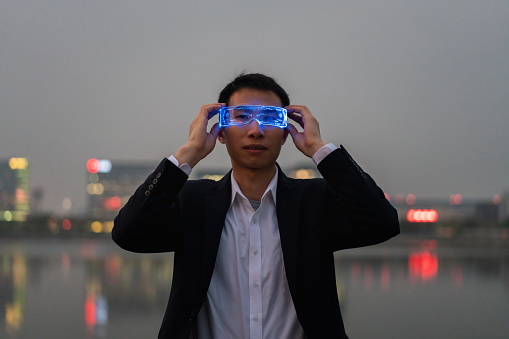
x=252, y=145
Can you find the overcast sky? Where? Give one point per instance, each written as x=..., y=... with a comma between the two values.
x=417, y=91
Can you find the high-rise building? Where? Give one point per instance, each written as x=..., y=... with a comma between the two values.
x=14, y=189
x=109, y=186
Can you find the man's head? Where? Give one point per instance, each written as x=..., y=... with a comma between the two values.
x=253, y=81
x=252, y=145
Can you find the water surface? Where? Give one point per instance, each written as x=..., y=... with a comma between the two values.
x=89, y=288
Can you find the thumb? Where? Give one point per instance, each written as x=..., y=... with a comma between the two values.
x=214, y=130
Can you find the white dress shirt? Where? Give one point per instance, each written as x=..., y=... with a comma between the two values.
x=248, y=296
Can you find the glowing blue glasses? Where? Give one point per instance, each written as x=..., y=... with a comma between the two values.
x=241, y=115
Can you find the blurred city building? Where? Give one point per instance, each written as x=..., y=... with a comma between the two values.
x=109, y=186
x=14, y=189
x=503, y=212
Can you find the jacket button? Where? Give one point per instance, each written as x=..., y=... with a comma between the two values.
x=191, y=316
x=151, y=187
x=155, y=181
x=147, y=193
x=158, y=175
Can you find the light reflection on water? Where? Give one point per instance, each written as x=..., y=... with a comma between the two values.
x=92, y=289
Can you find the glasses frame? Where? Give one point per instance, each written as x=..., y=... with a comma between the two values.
x=223, y=122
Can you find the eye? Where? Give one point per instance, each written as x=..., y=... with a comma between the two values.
x=242, y=117
x=268, y=118
x=241, y=114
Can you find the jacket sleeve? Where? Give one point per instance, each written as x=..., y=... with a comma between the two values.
x=359, y=214
x=149, y=221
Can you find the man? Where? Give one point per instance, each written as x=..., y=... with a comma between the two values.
x=254, y=251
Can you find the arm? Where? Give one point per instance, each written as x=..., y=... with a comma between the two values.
x=358, y=210
x=358, y=213
x=148, y=223
x=150, y=220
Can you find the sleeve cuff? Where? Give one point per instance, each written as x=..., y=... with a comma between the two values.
x=184, y=167
x=322, y=153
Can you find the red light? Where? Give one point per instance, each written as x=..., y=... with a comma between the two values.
x=93, y=165
x=113, y=203
x=66, y=224
x=90, y=311
x=410, y=199
x=455, y=199
x=422, y=216
x=423, y=265
x=496, y=199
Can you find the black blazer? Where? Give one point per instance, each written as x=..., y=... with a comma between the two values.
x=316, y=217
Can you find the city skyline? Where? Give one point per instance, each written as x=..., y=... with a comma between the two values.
x=417, y=92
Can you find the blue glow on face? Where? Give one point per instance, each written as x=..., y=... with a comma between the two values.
x=241, y=115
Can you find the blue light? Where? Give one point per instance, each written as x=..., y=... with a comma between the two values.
x=241, y=115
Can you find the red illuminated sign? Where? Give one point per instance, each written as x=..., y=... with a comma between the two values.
x=422, y=216
x=93, y=165
x=112, y=204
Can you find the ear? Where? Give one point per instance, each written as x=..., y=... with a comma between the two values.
x=220, y=136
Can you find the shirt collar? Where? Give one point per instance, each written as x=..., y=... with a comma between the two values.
x=272, y=188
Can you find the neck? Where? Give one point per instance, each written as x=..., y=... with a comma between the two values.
x=254, y=182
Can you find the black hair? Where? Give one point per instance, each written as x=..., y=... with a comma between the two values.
x=253, y=81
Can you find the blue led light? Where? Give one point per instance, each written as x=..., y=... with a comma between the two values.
x=241, y=115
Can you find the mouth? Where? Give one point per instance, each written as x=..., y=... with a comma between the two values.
x=255, y=147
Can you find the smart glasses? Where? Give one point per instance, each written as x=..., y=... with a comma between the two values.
x=241, y=115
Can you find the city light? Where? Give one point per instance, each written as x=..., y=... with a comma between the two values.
x=95, y=189
x=455, y=199
x=304, y=174
x=66, y=224
x=93, y=165
x=410, y=199
x=112, y=204
x=496, y=199
x=99, y=166
x=18, y=163
x=423, y=265
x=7, y=216
x=422, y=215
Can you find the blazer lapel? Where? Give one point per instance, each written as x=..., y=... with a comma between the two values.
x=287, y=207
x=217, y=203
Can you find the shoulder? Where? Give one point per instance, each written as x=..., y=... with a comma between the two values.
x=305, y=185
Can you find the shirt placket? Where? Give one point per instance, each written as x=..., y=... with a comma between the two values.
x=255, y=278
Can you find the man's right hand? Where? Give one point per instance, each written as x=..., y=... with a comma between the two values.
x=200, y=142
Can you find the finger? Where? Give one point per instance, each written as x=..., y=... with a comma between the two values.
x=214, y=111
x=208, y=111
x=301, y=109
x=297, y=118
x=214, y=130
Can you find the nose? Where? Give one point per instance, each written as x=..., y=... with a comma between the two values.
x=255, y=129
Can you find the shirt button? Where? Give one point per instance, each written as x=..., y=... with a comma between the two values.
x=255, y=220
x=255, y=252
x=255, y=319
x=255, y=284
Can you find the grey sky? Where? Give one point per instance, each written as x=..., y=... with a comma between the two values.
x=418, y=91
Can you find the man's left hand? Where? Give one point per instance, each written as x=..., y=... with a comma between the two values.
x=308, y=141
